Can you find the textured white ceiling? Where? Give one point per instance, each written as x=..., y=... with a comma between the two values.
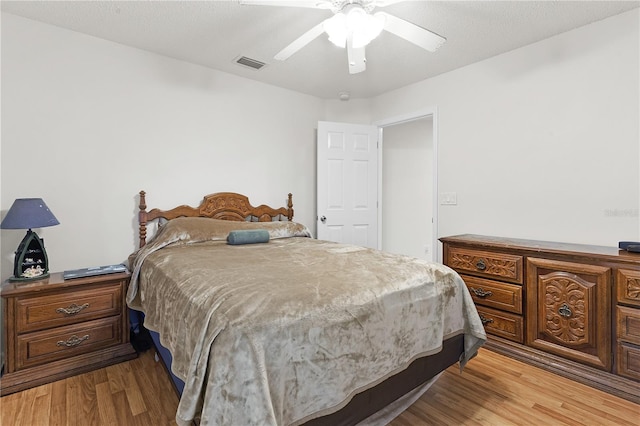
x=215, y=33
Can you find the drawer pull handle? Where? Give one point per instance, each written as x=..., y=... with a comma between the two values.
x=72, y=309
x=485, y=320
x=480, y=292
x=565, y=310
x=73, y=341
x=481, y=265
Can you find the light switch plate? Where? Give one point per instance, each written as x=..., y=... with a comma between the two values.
x=448, y=198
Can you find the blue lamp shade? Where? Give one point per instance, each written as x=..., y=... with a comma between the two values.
x=27, y=213
x=31, y=261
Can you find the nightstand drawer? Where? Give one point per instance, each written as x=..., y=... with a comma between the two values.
x=507, y=297
x=628, y=324
x=506, y=267
x=63, y=342
x=68, y=307
x=502, y=324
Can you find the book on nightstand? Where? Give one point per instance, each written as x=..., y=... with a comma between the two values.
x=96, y=270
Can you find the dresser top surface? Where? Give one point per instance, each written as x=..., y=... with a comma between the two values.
x=542, y=246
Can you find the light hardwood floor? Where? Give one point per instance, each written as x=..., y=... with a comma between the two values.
x=492, y=390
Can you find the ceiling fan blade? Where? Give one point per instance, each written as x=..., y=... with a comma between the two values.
x=417, y=35
x=314, y=4
x=300, y=42
x=356, y=57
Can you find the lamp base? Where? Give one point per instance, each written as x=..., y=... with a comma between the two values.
x=31, y=261
x=36, y=278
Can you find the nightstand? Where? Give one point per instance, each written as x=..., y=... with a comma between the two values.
x=56, y=328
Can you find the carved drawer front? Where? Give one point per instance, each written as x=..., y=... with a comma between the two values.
x=495, y=294
x=63, y=342
x=628, y=361
x=628, y=324
x=569, y=310
x=502, y=324
x=628, y=287
x=506, y=267
x=70, y=307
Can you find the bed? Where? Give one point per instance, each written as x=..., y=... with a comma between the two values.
x=291, y=330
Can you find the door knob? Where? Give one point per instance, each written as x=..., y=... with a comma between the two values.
x=323, y=219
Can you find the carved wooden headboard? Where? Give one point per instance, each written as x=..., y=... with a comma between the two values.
x=221, y=205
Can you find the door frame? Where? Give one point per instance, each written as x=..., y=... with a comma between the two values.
x=436, y=251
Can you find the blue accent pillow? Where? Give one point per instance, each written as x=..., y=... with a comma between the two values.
x=248, y=236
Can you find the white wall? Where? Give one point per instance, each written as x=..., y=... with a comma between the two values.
x=355, y=111
x=407, y=188
x=87, y=124
x=541, y=142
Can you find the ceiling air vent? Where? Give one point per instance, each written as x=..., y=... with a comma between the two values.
x=251, y=63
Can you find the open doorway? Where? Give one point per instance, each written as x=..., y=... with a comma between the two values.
x=408, y=185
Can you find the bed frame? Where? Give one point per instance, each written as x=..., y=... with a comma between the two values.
x=233, y=206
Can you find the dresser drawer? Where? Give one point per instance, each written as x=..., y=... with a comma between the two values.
x=628, y=287
x=45, y=346
x=502, y=324
x=68, y=307
x=507, y=297
x=628, y=324
x=505, y=267
x=628, y=359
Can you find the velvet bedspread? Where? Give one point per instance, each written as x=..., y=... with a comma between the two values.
x=285, y=331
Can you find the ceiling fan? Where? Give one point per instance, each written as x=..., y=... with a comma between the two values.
x=353, y=25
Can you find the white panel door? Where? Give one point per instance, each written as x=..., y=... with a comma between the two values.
x=347, y=183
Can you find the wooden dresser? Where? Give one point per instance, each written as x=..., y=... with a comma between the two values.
x=55, y=328
x=568, y=308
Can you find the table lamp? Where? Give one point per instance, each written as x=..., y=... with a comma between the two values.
x=31, y=262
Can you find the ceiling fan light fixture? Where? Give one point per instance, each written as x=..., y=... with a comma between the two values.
x=336, y=29
x=354, y=21
x=368, y=30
